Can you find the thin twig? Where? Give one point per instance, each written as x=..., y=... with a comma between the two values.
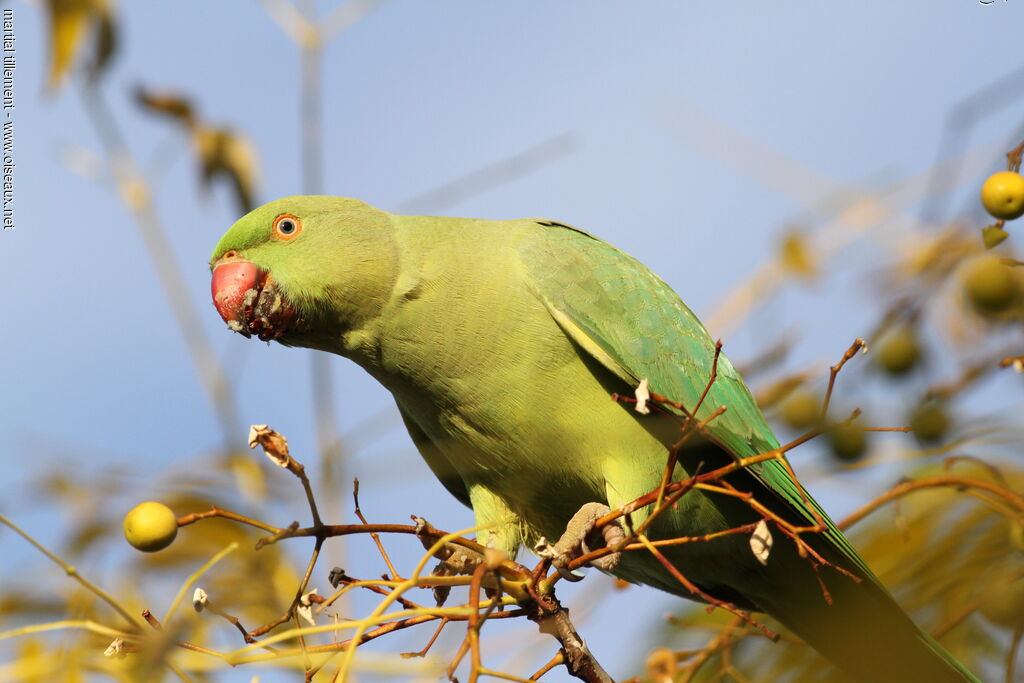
x=374, y=535
x=73, y=573
x=856, y=346
x=703, y=595
x=559, y=658
x=215, y=511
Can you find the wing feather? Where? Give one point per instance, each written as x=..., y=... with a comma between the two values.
x=631, y=322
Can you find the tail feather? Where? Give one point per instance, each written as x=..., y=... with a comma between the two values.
x=865, y=633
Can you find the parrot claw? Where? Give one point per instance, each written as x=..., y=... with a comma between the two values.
x=454, y=559
x=573, y=542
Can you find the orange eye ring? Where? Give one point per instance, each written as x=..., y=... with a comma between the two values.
x=287, y=226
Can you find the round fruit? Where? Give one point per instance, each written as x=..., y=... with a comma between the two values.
x=899, y=350
x=930, y=422
x=989, y=284
x=1002, y=195
x=802, y=410
x=848, y=441
x=150, y=526
x=1002, y=603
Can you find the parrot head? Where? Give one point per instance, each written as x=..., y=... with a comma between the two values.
x=304, y=264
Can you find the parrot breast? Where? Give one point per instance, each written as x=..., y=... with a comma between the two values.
x=249, y=300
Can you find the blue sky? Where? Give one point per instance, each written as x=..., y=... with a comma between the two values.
x=417, y=95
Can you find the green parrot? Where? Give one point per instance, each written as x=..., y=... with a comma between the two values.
x=502, y=342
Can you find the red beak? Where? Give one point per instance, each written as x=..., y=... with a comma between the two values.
x=250, y=302
x=231, y=281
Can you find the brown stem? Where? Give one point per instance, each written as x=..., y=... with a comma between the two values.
x=215, y=511
x=856, y=346
x=373, y=534
x=722, y=640
x=702, y=595
x=553, y=619
x=430, y=643
x=559, y=658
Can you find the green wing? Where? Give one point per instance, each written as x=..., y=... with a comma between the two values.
x=629, y=320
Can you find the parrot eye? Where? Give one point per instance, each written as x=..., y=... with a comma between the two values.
x=287, y=226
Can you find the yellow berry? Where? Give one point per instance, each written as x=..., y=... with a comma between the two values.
x=802, y=410
x=989, y=284
x=848, y=441
x=898, y=350
x=150, y=526
x=1002, y=195
x=930, y=422
x=1002, y=602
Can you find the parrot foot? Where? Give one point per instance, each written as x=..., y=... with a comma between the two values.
x=454, y=559
x=573, y=542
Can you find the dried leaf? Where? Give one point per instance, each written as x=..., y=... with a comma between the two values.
x=643, y=395
x=305, y=607
x=306, y=612
x=115, y=649
x=274, y=445
x=761, y=542
x=199, y=599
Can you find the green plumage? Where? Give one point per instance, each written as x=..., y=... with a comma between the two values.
x=502, y=341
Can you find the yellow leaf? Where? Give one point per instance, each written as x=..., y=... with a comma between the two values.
x=69, y=22
x=796, y=256
x=68, y=19
x=224, y=153
x=33, y=664
x=169, y=103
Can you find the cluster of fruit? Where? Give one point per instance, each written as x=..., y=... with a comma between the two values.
x=990, y=287
x=847, y=441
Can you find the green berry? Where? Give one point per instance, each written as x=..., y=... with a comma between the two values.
x=989, y=284
x=801, y=410
x=150, y=526
x=930, y=422
x=847, y=441
x=1002, y=602
x=899, y=350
